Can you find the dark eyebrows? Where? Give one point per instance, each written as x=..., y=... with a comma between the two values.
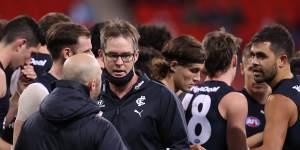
x=120, y=54
x=195, y=70
x=258, y=54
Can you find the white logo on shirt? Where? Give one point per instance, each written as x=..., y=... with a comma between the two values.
x=140, y=101
x=101, y=103
x=38, y=62
x=139, y=85
x=297, y=87
x=139, y=113
x=196, y=89
x=99, y=115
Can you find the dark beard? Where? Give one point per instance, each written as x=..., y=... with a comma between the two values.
x=269, y=78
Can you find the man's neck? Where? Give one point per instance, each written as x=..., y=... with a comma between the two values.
x=169, y=82
x=261, y=98
x=222, y=76
x=43, y=49
x=121, y=91
x=283, y=73
x=56, y=70
x=5, y=55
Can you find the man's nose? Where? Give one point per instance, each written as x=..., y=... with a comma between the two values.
x=254, y=60
x=119, y=61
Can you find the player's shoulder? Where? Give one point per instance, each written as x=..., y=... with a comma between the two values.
x=281, y=106
x=3, y=83
x=36, y=88
x=235, y=97
x=278, y=99
x=34, y=92
x=234, y=101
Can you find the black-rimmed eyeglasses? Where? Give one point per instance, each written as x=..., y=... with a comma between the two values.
x=126, y=57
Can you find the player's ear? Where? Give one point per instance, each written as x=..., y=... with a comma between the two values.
x=234, y=61
x=282, y=61
x=67, y=52
x=101, y=53
x=136, y=56
x=19, y=44
x=242, y=68
x=92, y=85
x=173, y=64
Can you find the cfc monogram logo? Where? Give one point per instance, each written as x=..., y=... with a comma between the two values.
x=140, y=101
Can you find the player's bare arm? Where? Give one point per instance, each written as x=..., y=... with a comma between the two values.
x=280, y=113
x=255, y=140
x=233, y=107
x=3, y=84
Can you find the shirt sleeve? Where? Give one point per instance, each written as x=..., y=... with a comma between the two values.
x=111, y=139
x=30, y=100
x=172, y=128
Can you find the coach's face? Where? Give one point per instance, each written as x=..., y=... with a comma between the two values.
x=119, y=56
x=263, y=61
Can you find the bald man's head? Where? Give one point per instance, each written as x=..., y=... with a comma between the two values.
x=85, y=69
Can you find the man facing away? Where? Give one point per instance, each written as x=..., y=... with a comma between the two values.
x=63, y=41
x=216, y=113
x=68, y=118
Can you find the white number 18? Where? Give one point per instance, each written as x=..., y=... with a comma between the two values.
x=198, y=118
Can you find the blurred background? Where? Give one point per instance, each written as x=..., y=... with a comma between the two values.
x=195, y=17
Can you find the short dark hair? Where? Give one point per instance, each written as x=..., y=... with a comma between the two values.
x=153, y=36
x=116, y=28
x=63, y=35
x=3, y=23
x=22, y=27
x=279, y=37
x=220, y=46
x=50, y=19
x=95, y=32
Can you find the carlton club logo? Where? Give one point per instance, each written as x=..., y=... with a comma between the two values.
x=253, y=122
x=140, y=101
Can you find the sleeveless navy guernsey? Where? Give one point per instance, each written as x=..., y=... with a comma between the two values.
x=255, y=121
x=47, y=80
x=206, y=126
x=291, y=89
x=4, y=101
x=41, y=62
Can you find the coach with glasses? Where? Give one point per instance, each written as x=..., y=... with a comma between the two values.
x=146, y=114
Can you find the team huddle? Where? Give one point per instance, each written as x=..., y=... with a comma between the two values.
x=119, y=86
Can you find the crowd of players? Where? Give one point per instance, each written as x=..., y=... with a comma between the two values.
x=117, y=86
